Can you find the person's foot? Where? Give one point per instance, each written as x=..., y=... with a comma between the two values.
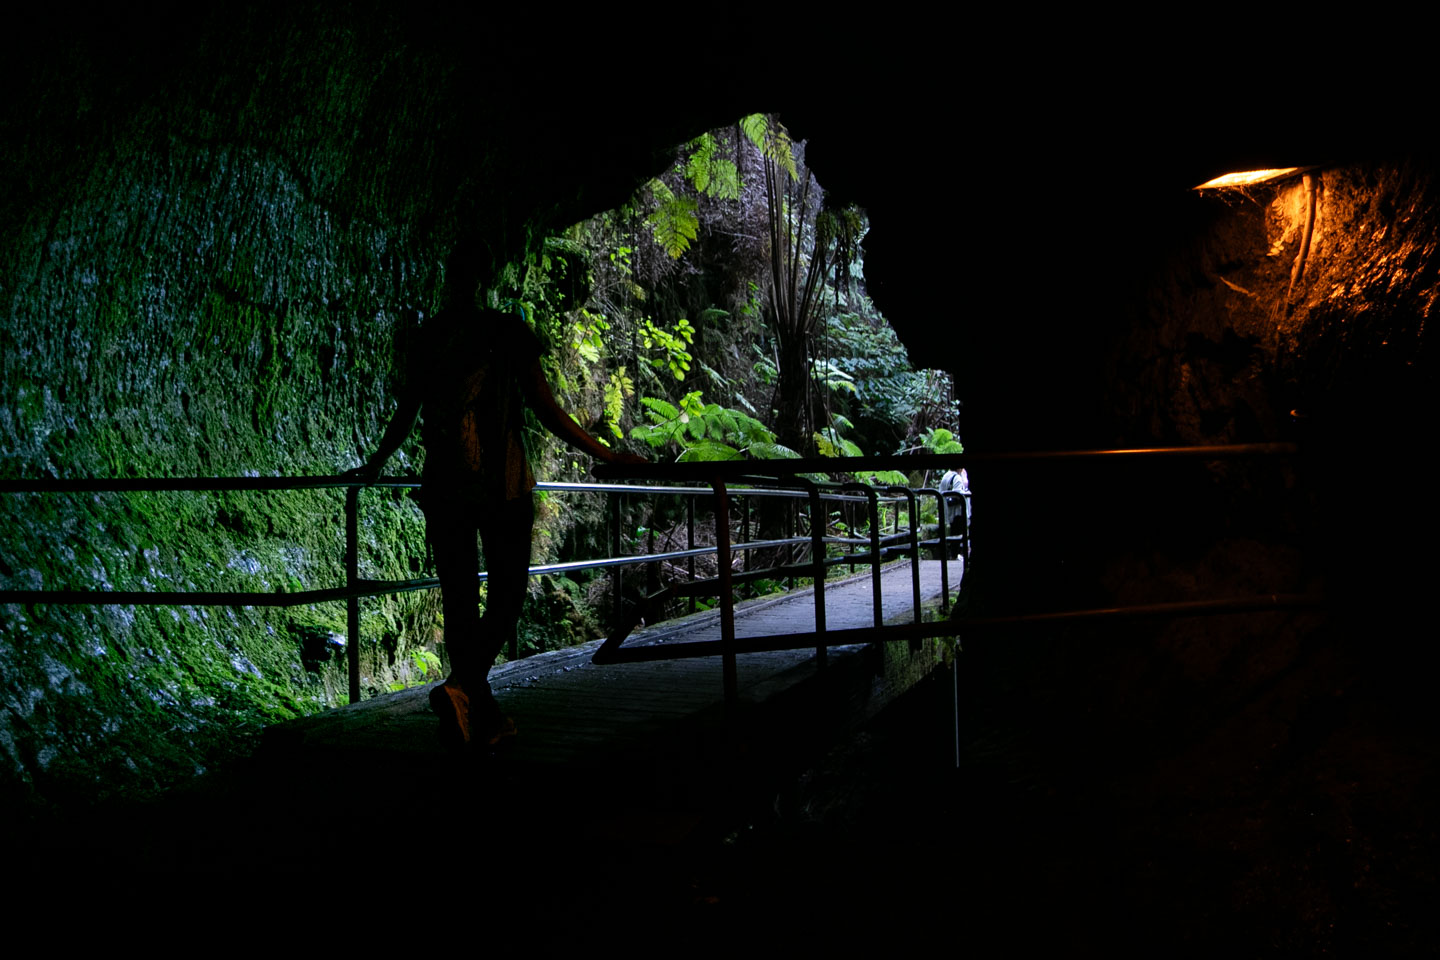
x=452, y=705
x=463, y=722
x=492, y=734
x=489, y=725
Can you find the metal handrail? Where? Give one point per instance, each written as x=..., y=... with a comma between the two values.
x=357, y=587
x=724, y=479
x=800, y=472
x=727, y=469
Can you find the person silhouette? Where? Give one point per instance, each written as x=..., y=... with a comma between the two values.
x=472, y=372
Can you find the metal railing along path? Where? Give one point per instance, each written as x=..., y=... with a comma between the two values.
x=799, y=473
x=725, y=480
x=357, y=587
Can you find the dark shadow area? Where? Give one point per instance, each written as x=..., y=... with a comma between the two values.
x=1065, y=829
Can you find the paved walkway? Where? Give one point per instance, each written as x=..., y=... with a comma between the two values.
x=620, y=778
x=570, y=711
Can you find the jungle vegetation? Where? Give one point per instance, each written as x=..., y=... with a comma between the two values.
x=720, y=314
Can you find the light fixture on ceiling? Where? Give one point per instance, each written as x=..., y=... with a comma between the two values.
x=1251, y=178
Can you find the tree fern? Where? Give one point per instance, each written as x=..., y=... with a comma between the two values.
x=772, y=140
x=756, y=127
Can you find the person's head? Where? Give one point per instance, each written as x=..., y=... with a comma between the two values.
x=464, y=270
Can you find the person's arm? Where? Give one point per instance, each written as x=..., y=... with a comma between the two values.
x=395, y=433
x=557, y=421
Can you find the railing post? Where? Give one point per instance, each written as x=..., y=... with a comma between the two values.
x=911, y=503
x=847, y=510
x=690, y=540
x=955, y=677
x=792, y=524
x=944, y=550
x=618, y=500
x=817, y=560
x=727, y=599
x=872, y=498
x=352, y=580
x=910, y=500
x=744, y=504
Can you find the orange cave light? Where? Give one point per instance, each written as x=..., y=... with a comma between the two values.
x=1249, y=178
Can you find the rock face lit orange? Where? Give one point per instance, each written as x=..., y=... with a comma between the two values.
x=1246, y=178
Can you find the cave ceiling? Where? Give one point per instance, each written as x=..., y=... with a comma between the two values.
x=1014, y=201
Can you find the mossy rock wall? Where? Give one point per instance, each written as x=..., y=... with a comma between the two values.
x=205, y=267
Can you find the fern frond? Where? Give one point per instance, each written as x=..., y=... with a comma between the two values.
x=890, y=477
x=675, y=223
x=755, y=127
x=698, y=167
x=655, y=437
x=772, y=451
x=714, y=375
x=724, y=180
x=659, y=410
x=752, y=430
x=708, y=450
x=725, y=420
x=784, y=153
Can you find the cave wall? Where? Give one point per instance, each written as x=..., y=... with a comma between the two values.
x=207, y=282
x=1287, y=760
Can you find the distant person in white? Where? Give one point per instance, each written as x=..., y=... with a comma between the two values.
x=957, y=509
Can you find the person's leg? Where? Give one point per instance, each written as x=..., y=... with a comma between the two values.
x=505, y=532
x=452, y=530
x=453, y=539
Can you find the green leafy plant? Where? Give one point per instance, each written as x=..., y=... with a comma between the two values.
x=940, y=440
x=706, y=431
x=829, y=443
x=831, y=376
x=764, y=368
x=425, y=663
x=587, y=335
x=425, y=667
x=674, y=354
x=618, y=389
